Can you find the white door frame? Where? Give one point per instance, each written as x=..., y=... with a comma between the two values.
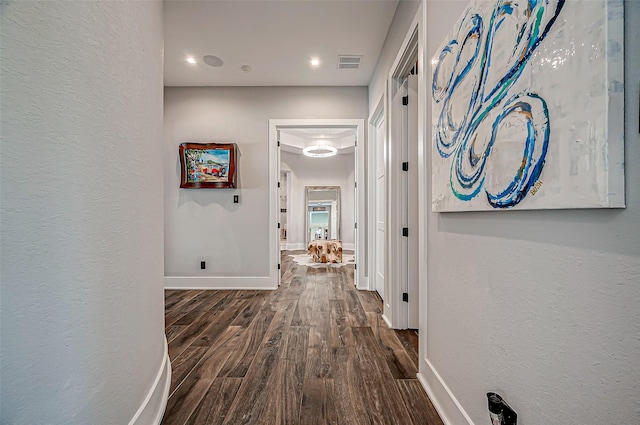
x=361, y=274
x=413, y=41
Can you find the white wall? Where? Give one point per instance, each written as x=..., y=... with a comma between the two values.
x=234, y=238
x=82, y=286
x=541, y=306
x=337, y=170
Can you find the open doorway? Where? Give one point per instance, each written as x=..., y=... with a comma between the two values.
x=321, y=189
x=320, y=163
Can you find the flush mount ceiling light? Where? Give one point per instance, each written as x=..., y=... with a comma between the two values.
x=319, y=151
x=191, y=60
x=315, y=62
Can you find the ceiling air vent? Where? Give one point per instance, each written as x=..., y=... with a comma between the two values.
x=349, y=61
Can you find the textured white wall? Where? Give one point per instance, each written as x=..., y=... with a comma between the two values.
x=338, y=170
x=541, y=306
x=82, y=299
x=206, y=223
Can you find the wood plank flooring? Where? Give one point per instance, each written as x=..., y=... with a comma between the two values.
x=314, y=351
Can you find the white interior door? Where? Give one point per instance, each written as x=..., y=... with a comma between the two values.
x=395, y=219
x=381, y=206
x=400, y=112
x=412, y=202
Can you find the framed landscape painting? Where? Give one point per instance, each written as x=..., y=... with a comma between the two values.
x=208, y=165
x=528, y=107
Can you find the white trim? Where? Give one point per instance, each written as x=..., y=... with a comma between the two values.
x=448, y=407
x=363, y=285
x=274, y=170
x=274, y=206
x=361, y=274
x=220, y=282
x=424, y=181
x=152, y=408
x=386, y=320
x=424, y=176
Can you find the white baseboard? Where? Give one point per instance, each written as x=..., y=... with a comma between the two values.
x=152, y=408
x=363, y=284
x=448, y=407
x=220, y=282
x=386, y=320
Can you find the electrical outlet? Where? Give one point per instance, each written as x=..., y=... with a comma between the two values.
x=203, y=265
x=236, y=199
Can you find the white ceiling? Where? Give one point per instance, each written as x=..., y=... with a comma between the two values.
x=294, y=139
x=277, y=39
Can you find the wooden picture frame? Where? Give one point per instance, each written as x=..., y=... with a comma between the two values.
x=208, y=165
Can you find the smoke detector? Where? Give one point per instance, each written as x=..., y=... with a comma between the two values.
x=349, y=61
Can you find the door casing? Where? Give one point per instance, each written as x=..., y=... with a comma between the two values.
x=361, y=279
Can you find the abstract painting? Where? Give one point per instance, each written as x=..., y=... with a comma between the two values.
x=208, y=165
x=527, y=107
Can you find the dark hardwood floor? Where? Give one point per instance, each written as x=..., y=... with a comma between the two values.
x=314, y=351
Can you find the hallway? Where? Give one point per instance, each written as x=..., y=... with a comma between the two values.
x=314, y=351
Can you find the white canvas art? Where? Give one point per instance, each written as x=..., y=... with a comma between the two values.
x=528, y=101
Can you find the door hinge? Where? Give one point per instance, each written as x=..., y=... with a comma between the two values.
x=405, y=100
x=278, y=225
x=355, y=266
x=278, y=184
x=278, y=266
x=355, y=225
x=405, y=166
x=405, y=297
x=355, y=184
x=405, y=231
x=278, y=143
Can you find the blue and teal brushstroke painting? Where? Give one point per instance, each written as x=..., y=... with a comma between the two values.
x=474, y=73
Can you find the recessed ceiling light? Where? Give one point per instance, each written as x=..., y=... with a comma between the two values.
x=191, y=60
x=213, y=61
x=315, y=62
x=246, y=68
